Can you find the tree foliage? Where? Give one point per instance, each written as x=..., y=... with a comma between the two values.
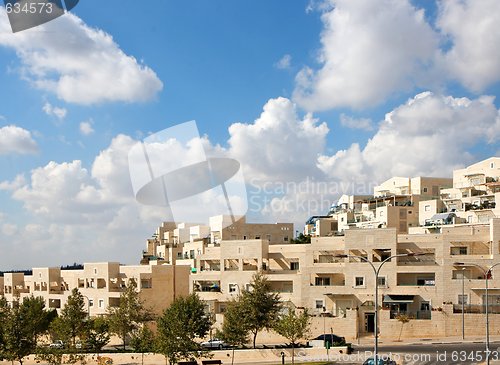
x=143, y=341
x=260, y=306
x=98, y=334
x=128, y=317
x=22, y=324
x=293, y=327
x=234, y=331
x=180, y=325
x=73, y=321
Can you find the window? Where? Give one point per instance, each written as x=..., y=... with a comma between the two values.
x=426, y=282
x=359, y=281
x=91, y=302
x=425, y=190
x=342, y=219
x=191, y=254
x=425, y=306
x=268, y=237
x=319, y=304
x=492, y=165
x=382, y=281
x=244, y=237
x=462, y=250
x=427, y=208
x=469, y=219
x=294, y=265
x=233, y=288
x=95, y=271
x=101, y=303
x=257, y=237
x=381, y=214
x=285, y=238
x=463, y=299
x=322, y=281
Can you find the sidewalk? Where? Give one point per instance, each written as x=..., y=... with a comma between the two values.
x=369, y=340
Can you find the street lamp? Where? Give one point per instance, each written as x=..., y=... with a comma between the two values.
x=463, y=303
x=486, y=274
x=377, y=271
x=88, y=305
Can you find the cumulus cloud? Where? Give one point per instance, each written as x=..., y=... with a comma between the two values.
x=284, y=63
x=279, y=144
x=86, y=128
x=17, y=140
x=370, y=50
x=356, y=123
x=60, y=113
x=78, y=63
x=472, y=28
x=429, y=135
x=15, y=184
x=9, y=229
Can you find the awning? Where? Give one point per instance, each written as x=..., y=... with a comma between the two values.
x=398, y=299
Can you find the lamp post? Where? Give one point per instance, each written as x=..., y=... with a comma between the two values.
x=376, y=271
x=486, y=274
x=88, y=305
x=463, y=301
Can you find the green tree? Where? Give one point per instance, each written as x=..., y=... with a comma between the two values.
x=22, y=325
x=403, y=319
x=293, y=327
x=260, y=306
x=179, y=326
x=128, y=317
x=73, y=321
x=98, y=334
x=234, y=331
x=143, y=341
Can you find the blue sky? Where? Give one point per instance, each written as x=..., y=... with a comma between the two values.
x=348, y=93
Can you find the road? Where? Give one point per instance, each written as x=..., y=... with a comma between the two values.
x=427, y=353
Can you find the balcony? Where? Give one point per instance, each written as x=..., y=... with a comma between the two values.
x=476, y=308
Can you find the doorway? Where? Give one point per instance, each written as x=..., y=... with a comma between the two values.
x=369, y=322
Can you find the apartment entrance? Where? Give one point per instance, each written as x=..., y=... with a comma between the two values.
x=369, y=322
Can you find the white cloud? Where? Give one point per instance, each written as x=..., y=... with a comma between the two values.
x=284, y=63
x=86, y=128
x=14, y=139
x=60, y=113
x=15, y=184
x=356, y=123
x=279, y=145
x=9, y=229
x=472, y=29
x=79, y=64
x=370, y=50
x=429, y=135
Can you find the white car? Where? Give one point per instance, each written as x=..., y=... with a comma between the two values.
x=214, y=343
x=58, y=344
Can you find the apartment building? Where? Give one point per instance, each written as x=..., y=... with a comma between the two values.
x=395, y=203
x=340, y=291
x=100, y=283
x=472, y=199
x=173, y=242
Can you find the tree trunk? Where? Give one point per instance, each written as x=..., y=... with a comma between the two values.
x=232, y=358
x=254, y=338
x=401, y=331
x=293, y=353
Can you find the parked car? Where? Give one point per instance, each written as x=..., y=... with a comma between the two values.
x=214, y=343
x=381, y=361
x=58, y=344
x=334, y=340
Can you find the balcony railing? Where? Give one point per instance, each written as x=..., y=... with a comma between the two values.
x=476, y=308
